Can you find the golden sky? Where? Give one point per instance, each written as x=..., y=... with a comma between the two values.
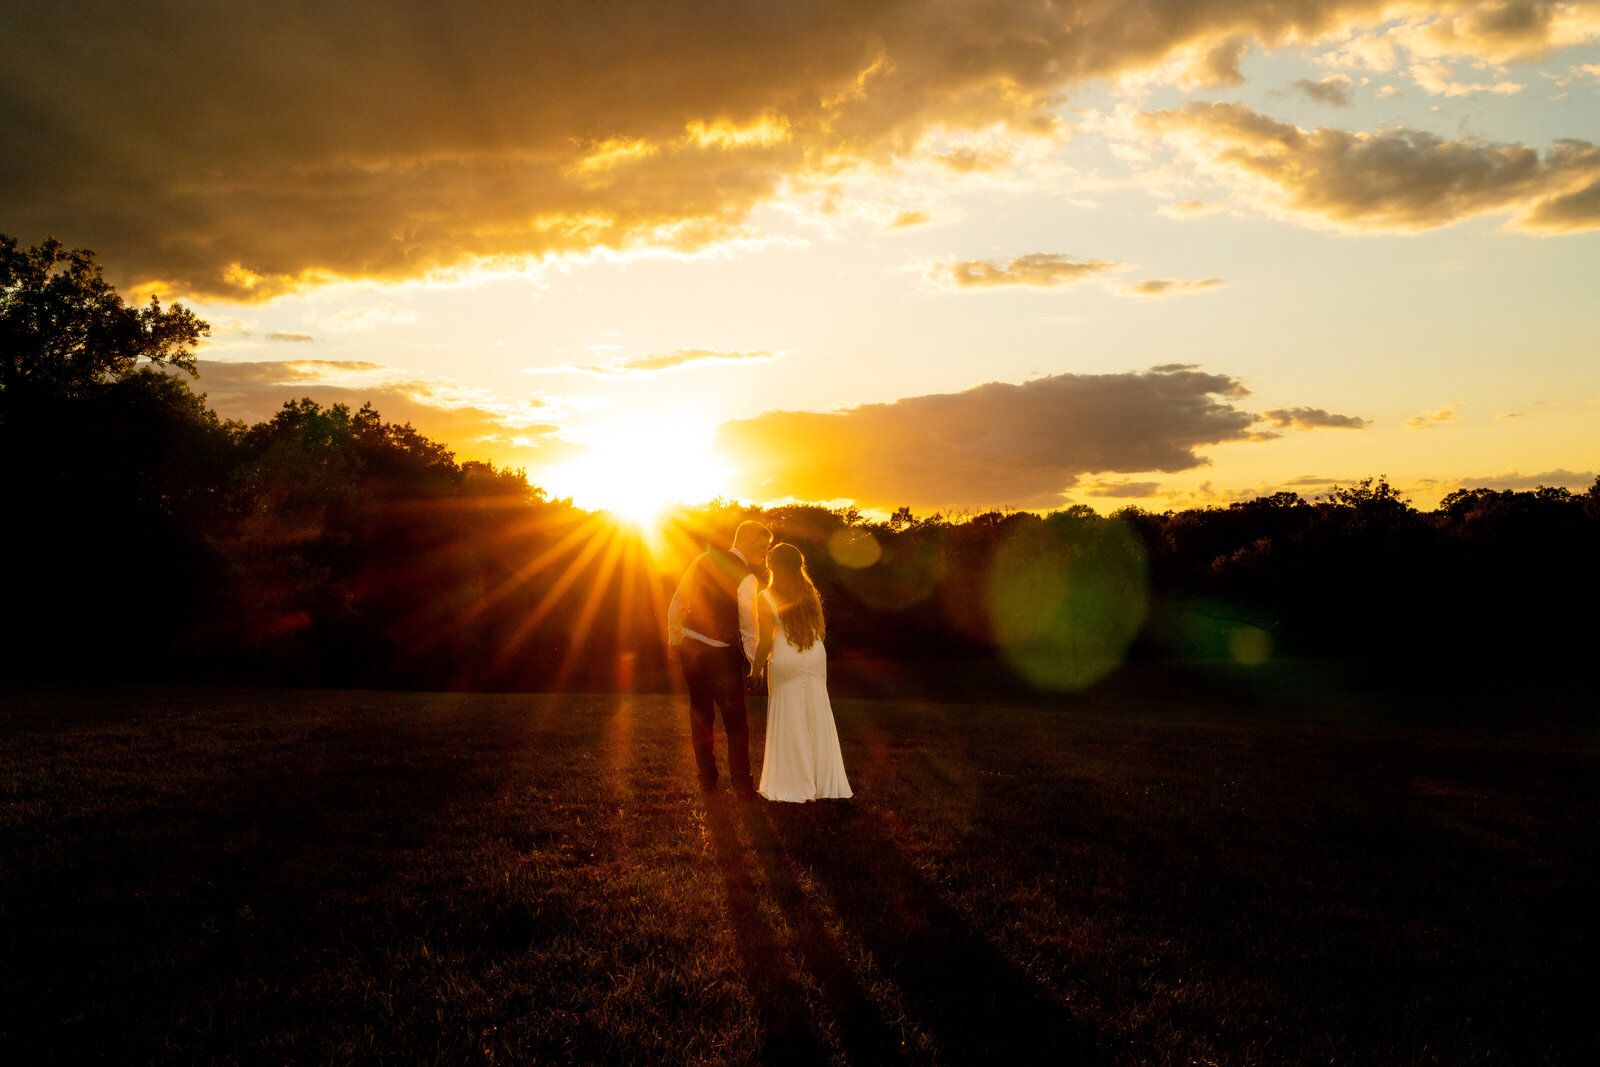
x=956, y=255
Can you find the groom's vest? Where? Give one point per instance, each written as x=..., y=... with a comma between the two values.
x=713, y=608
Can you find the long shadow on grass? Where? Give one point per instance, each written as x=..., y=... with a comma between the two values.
x=849, y=891
x=774, y=968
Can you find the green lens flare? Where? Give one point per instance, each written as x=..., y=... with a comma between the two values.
x=1067, y=596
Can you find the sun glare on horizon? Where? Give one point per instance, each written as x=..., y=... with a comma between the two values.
x=640, y=470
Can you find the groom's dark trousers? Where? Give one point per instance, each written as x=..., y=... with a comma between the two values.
x=716, y=680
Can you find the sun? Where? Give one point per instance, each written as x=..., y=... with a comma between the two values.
x=638, y=470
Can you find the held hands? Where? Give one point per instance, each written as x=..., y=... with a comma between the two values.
x=753, y=682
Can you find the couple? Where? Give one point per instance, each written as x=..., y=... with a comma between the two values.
x=722, y=627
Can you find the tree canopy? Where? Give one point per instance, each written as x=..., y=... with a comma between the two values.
x=65, y=330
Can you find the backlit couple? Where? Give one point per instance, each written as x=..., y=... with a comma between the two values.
x=725, y=629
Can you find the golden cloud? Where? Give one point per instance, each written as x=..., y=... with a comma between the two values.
x=994, y=445
x=1439, y=79
x=1040, y=270
x=239, y=153
x=473, y=425
x=1560, y=478
x=907, y=219
x=1301, y=418
x=1395, y=179
x=1430, y=419
x=1184, y=209
x=1123, y=490
x=1169, y=286
x=650, y=366
x=1218, y=66
x=968, y=159
x=1497, y=32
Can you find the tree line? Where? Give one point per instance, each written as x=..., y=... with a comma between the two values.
x=148, y=538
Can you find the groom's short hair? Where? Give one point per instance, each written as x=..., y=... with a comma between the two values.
x=748, y=529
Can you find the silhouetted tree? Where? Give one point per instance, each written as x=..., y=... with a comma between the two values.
x=64, y=329
x=110, y=470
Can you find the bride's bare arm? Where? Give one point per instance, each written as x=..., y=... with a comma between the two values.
x=766, y=622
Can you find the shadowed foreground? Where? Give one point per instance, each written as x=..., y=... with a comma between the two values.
x=1139, y=875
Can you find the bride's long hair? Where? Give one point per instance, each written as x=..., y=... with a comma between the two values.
x=799, y=606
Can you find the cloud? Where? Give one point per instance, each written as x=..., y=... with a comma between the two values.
x=1559, y=478
x=1581, y=74
x=1308, y=487
x=1183, y=209
x=994, y=445
x=1123, y=490
x=1208, y=495
x=368, y=317
x=241, y=153
x=1392, y=179
x=1333, y=89
x=1168, y=286
x=1495, y=32
x=1571, y=212
x=650, y=366
x=295, y=370
x=471, y=423
x=1439, y=79
x=1313, y=419
x=1041, y=270
x=1429, y=420
x=1218, y=66
x=285, y=335
x=907, y=219
x=969, y=159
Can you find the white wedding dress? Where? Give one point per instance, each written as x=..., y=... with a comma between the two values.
x=802, y=760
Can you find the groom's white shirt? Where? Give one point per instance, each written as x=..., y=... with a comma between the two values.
x=746, y=596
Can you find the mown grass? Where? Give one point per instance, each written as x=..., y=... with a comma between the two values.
x=1166, y=870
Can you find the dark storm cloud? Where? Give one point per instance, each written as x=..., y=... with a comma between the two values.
x=239, y=150
x=990, y=446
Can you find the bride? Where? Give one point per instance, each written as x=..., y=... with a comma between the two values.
x=802, y=759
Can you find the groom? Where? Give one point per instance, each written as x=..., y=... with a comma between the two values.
x=711, y=631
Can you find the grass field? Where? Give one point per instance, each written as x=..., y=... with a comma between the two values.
x=1171, y=869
